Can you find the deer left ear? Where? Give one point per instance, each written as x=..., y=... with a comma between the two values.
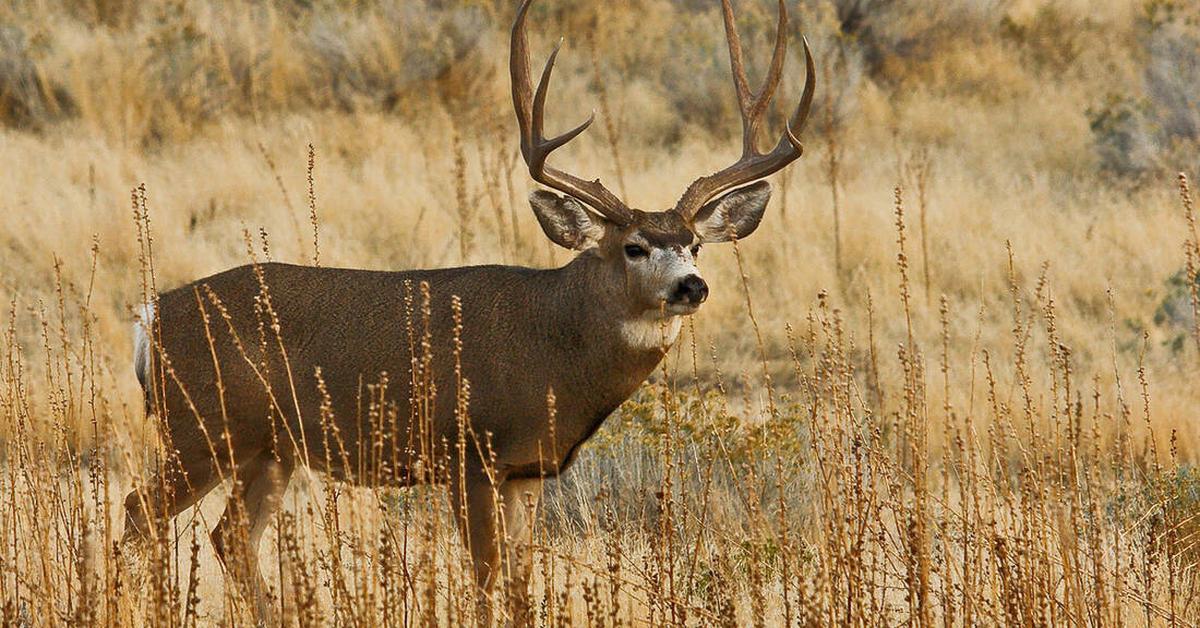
x=734, y=214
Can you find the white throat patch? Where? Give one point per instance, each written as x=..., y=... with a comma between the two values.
x=651, y=331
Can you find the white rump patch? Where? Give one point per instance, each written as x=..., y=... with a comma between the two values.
x=651, y=331
x=141, y=342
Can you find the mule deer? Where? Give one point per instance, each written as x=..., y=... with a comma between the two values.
x=251, y=370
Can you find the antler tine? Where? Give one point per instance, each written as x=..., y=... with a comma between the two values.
x=740, y=84
x=535, y=147
x=799, y=119
x=775, y=71
x=753, y=106
x=753, y=164
x=548, y=146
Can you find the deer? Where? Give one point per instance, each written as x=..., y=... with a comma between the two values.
x=249, y=371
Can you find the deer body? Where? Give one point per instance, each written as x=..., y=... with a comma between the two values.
x=260, y=368
x=235, y=405
x=353, y=326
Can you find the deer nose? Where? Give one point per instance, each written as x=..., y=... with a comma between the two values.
x=691, y=290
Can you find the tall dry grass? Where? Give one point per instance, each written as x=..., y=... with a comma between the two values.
x=972, y=403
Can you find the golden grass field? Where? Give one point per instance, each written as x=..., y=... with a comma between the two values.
x=969, y=399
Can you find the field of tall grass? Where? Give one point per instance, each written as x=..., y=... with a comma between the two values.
x=950, y=380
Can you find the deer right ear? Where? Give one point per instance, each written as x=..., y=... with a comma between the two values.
x=734, y=215
x=565, y=221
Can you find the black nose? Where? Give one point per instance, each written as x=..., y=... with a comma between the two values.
x=692, y=290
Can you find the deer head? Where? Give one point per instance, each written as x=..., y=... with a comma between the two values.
x=657, y=251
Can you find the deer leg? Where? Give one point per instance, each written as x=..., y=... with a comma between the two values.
x=520, y=498
x=474, y=504
x=257, y=494
x=169, y=492
x=498, y=538
x=473, y=500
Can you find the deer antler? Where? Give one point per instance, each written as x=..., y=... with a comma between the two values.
x=754, y=164
x=535, y=148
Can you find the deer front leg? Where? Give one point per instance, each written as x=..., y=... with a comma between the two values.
x=521, y=498
x=498, y=537
x=474, y=505
x=473, y=501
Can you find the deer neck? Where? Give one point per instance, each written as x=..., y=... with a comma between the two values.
x=603, y=313
x=613, y=347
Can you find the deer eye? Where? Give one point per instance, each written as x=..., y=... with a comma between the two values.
x=633, y=251
x=695, y=250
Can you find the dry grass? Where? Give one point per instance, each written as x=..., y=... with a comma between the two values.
x=973, y=402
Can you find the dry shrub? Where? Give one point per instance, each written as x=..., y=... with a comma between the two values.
x=1046, y=496
x=27, y=97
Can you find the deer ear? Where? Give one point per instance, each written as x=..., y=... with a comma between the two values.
x=734, y=214
x=565, y=220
